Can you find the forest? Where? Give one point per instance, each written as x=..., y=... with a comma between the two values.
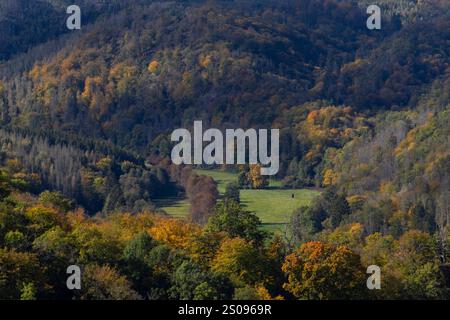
x=86, y=118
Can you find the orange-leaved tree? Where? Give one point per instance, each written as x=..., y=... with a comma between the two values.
x=323, y=271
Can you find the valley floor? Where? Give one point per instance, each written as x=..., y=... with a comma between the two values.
x=273, y=205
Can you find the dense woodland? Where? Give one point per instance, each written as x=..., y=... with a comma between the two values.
x=85, y=123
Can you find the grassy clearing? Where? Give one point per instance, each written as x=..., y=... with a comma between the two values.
x=273, y=205
x=221, y=177
x=176, y=207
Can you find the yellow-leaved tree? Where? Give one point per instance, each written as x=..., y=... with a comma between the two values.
x=323, y=271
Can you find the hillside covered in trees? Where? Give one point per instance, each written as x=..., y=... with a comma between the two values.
x=85, y=123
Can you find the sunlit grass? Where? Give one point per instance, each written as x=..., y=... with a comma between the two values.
x=273, y=206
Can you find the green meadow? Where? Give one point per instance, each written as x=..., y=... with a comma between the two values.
x=273, y=205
